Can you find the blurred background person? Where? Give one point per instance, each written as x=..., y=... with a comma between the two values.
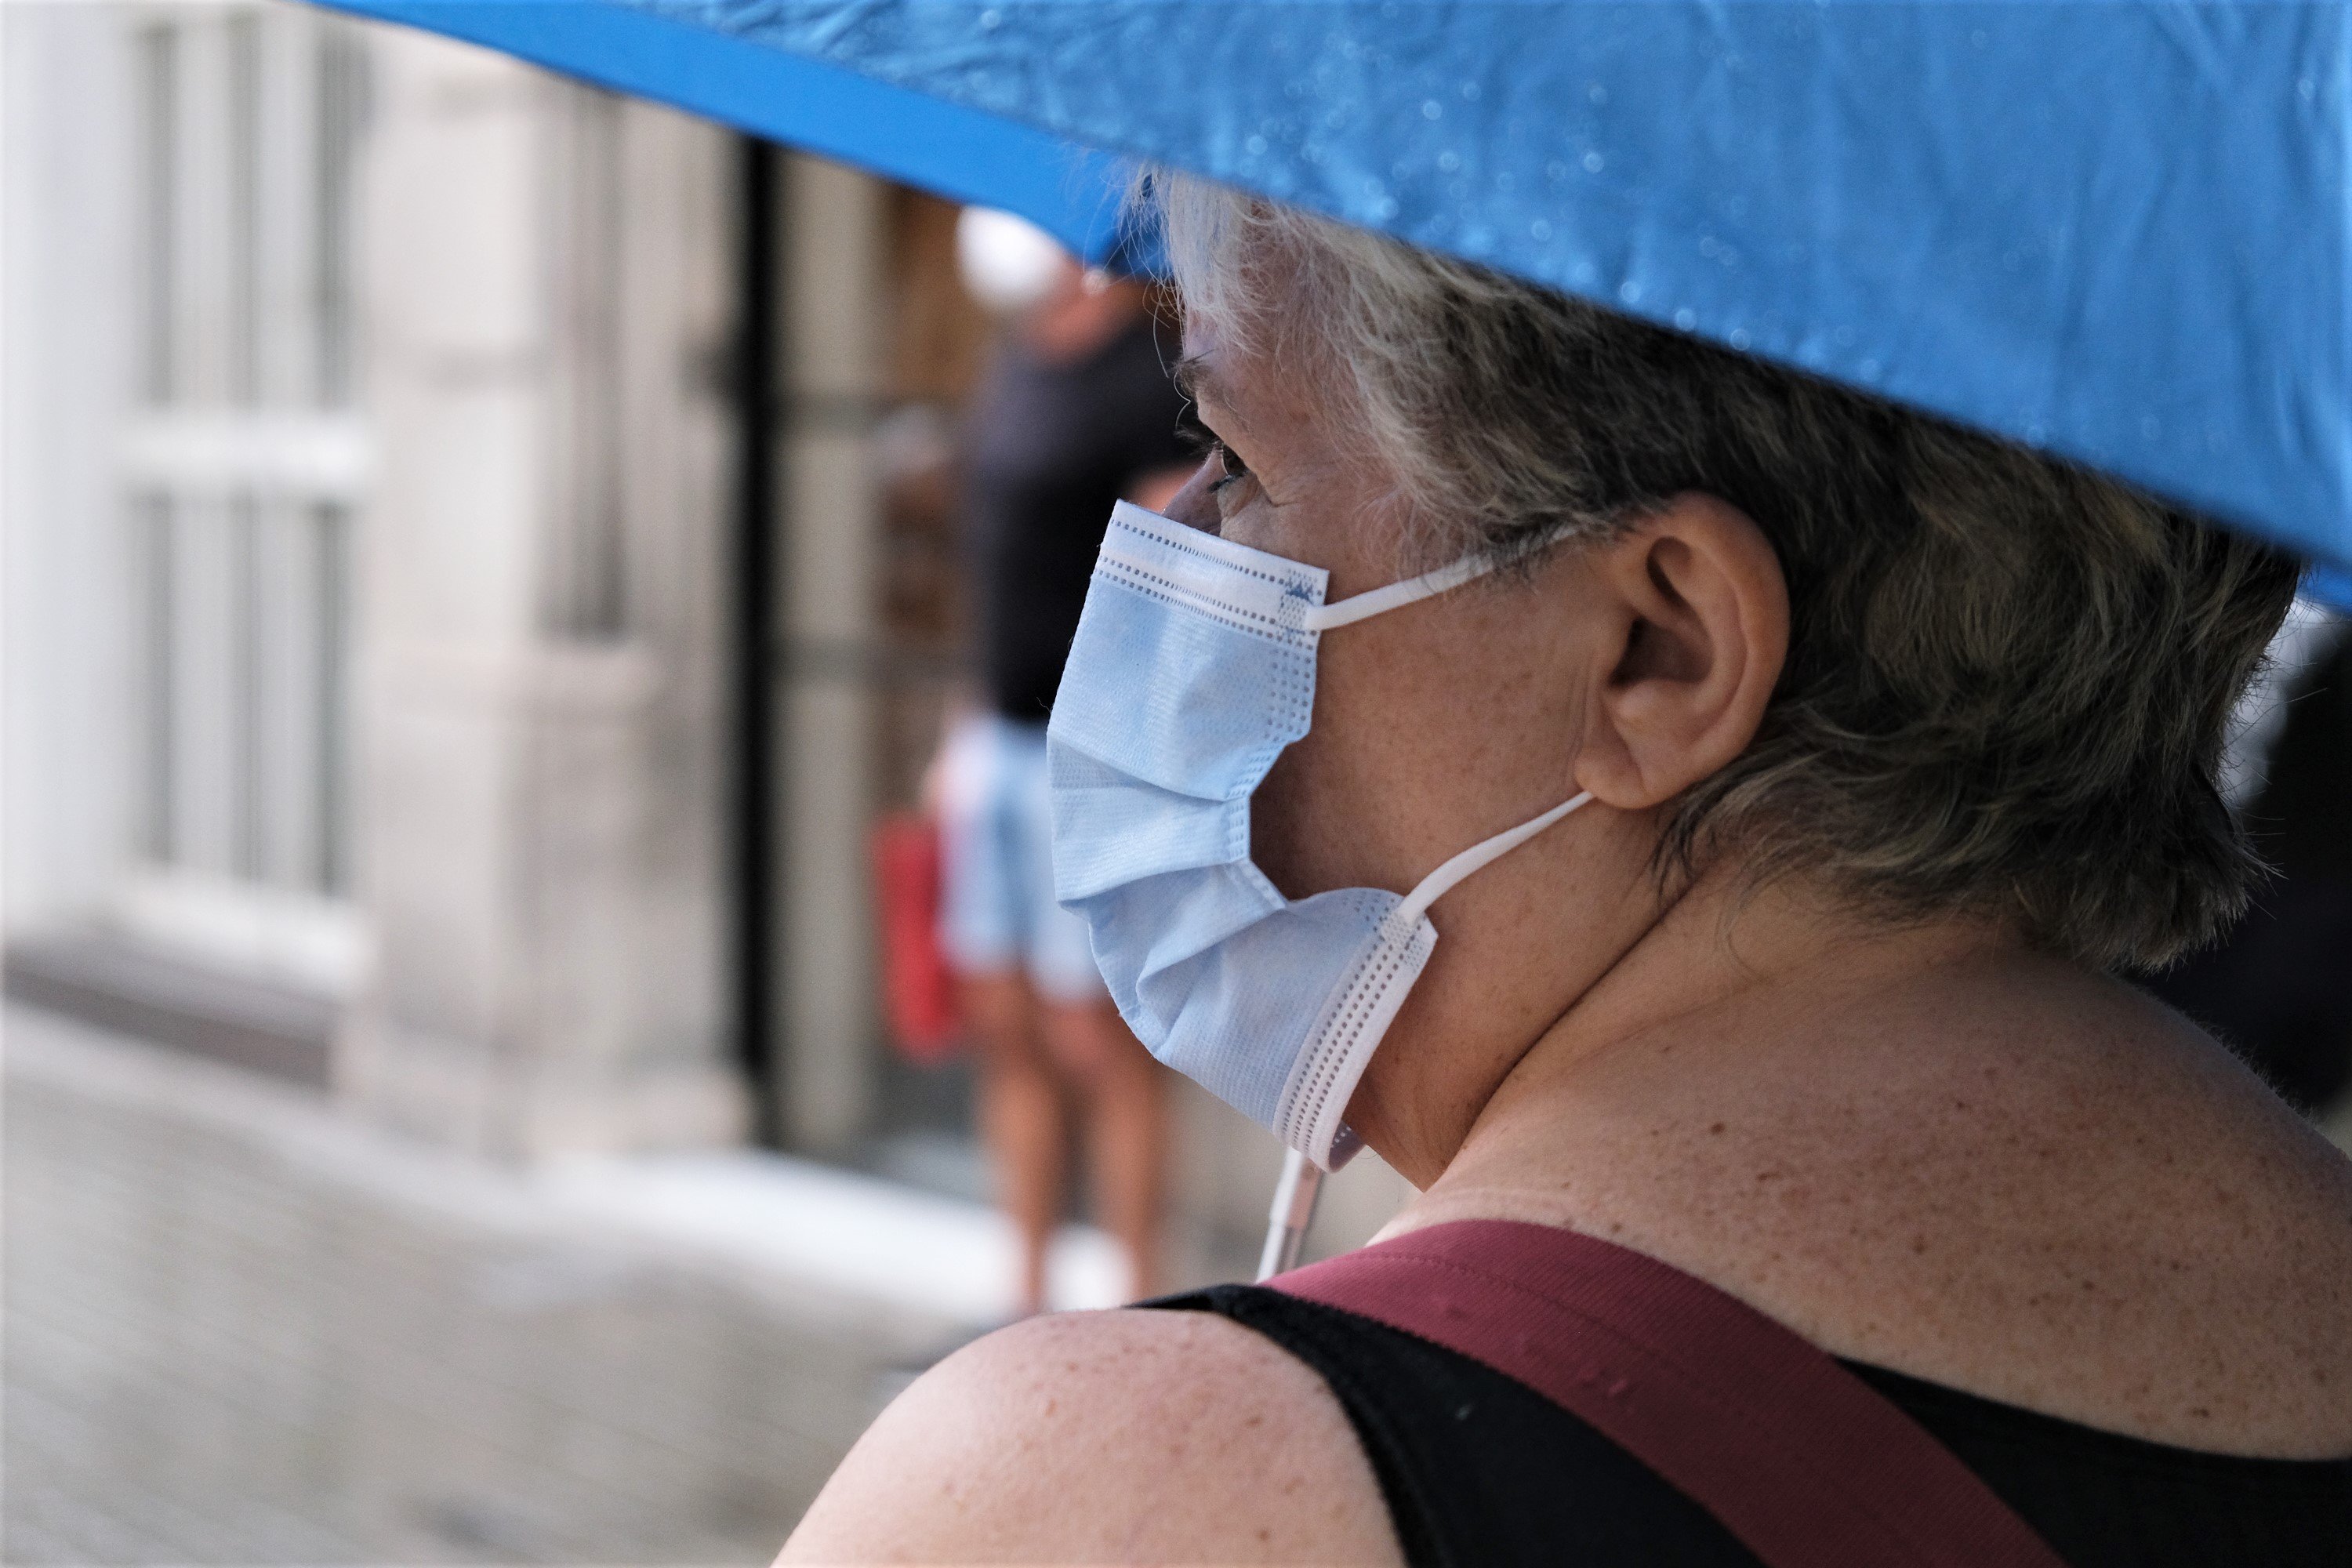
x=1075, y=411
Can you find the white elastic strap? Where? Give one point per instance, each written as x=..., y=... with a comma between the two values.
x=1377, y=601
x=1440, y=882
x=1294, y=1211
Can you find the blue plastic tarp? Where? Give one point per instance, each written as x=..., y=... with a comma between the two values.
x=2117, y=230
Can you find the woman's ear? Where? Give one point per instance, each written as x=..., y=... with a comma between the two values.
x=1698, y=614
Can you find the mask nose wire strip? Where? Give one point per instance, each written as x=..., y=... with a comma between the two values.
x=1373, y=602
x=1440, y=882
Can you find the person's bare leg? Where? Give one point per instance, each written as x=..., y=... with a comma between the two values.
x=1127, y=1125
x=1020, y=1117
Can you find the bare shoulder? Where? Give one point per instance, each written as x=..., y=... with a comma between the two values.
x=1123, y=1436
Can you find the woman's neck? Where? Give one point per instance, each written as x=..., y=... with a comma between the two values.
x=1729, y=975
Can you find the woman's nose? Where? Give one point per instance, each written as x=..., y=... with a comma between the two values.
x=1195, y=506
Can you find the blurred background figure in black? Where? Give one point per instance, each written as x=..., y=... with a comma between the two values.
x=2280, y=989
x=1075, y=411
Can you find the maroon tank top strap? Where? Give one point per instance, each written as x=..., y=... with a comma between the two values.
x=1805, y=1462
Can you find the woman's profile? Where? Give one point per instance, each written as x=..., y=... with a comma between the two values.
x=1677, y=808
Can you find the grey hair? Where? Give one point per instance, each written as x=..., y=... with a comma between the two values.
x=2008, y=678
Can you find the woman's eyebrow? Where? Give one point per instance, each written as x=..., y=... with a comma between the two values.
x=1196, y=378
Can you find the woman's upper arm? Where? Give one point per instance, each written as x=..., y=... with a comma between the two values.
x=1131, y=1436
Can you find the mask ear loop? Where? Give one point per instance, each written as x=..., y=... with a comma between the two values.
x=1292, y=1212
x=1302, y=1180
x=1444, y=880
x=1396, y=596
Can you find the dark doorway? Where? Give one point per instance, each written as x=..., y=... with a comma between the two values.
x=898, y=673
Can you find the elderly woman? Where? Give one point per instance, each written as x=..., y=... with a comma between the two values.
x=1826, y=763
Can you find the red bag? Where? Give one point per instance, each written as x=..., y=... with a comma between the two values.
x=918, y=986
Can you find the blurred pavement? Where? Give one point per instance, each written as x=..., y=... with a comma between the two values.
x=240, y=1330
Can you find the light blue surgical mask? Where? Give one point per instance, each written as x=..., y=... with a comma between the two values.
x=1194, y=666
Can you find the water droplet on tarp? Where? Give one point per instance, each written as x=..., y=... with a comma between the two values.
x=1739, y=338
x=1686, y=317
x=1593, y=163
x=1432, y=110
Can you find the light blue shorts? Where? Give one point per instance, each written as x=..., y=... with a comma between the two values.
x=996, y=909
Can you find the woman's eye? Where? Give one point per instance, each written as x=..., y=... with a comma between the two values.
x=1229, y=465
x=1203, y=440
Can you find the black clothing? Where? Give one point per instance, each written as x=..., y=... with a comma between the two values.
x=2278, y=989
x=1481, y=1471
x=2302, y=818
x=1048, y=449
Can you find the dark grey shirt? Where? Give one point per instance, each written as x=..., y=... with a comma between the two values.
x=1047, y=450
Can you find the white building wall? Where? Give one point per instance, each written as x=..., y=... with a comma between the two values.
x=527, y=950
x=65, y=353
x=541, y=648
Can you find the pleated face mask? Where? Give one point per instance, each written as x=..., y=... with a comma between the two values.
x=1192, y=668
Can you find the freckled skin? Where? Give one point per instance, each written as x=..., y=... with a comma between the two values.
x=1170, y=1439
x=1922, y=1146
